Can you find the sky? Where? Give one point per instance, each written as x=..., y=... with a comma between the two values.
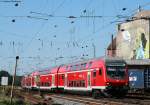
x=46, y=33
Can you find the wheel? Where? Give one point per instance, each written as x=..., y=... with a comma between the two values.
x=95, y=94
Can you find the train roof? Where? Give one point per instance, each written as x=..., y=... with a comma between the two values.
x=138, y=62
x=92, y=63
x=104, y=58
x=63, y=68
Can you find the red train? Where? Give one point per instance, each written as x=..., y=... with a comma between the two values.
x=100, y=76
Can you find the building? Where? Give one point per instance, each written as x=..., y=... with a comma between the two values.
x=132, y=39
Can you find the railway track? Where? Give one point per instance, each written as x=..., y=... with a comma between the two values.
x=32, y=97
x=83, y=101
x=67, y=99
x=102, y=101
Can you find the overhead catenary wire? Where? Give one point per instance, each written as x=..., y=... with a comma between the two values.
x=37, y=16
x=35, y=35
x=14, y=34
x=124, y=17
x=10, y=1
x=58, y=7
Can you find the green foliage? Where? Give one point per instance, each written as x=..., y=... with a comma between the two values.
x=7, y=102
x=4, y=73
x=18, y=80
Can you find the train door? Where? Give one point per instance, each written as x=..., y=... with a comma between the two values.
x=97, y=77
x=61, y=79
x=50, y=80
x=89, y=79
x=93, y=77
x=65, y=84
x=53, y=80
x=37, y=80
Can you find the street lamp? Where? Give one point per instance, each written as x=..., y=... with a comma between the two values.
x=12, y=87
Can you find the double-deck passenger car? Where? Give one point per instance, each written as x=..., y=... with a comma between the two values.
x=100, y=76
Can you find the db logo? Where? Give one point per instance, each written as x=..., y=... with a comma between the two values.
x=133, y=78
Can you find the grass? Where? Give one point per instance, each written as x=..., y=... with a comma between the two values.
x=5, y=98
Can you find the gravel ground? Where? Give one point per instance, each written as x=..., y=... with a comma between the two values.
x=65, y=102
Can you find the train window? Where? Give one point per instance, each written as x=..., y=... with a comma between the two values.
x=66, y=67
x=42, y=84
x=74, y=85
x=74, y=67
x=71, y=83
x=81, y=67
x=100, y=71
x=38, y=83
x=71, y=68
x=94, y=73
x=78, y=83
x=83, y=83
x=84, y=65
x=63, y=76
x=59, y=76
x=47, y=84
x=90, y=64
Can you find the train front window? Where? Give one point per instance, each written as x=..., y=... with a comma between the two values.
x=116, y=72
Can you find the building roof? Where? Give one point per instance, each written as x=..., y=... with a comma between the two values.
x=144, y=13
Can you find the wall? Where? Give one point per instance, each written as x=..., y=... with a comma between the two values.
x=133, y=39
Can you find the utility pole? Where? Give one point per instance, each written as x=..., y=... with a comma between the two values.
x=112, y=45
x=94, y=50
x=149, y=39
x=139, y=8
x=14, y=76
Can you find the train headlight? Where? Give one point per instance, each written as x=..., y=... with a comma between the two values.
x=107, y=83
x=126, y=84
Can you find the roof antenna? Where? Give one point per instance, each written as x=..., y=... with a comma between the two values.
x=139, y=8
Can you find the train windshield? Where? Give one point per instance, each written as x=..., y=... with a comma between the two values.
x=116, y=72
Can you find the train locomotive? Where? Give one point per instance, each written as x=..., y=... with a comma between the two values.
x=100, y=76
